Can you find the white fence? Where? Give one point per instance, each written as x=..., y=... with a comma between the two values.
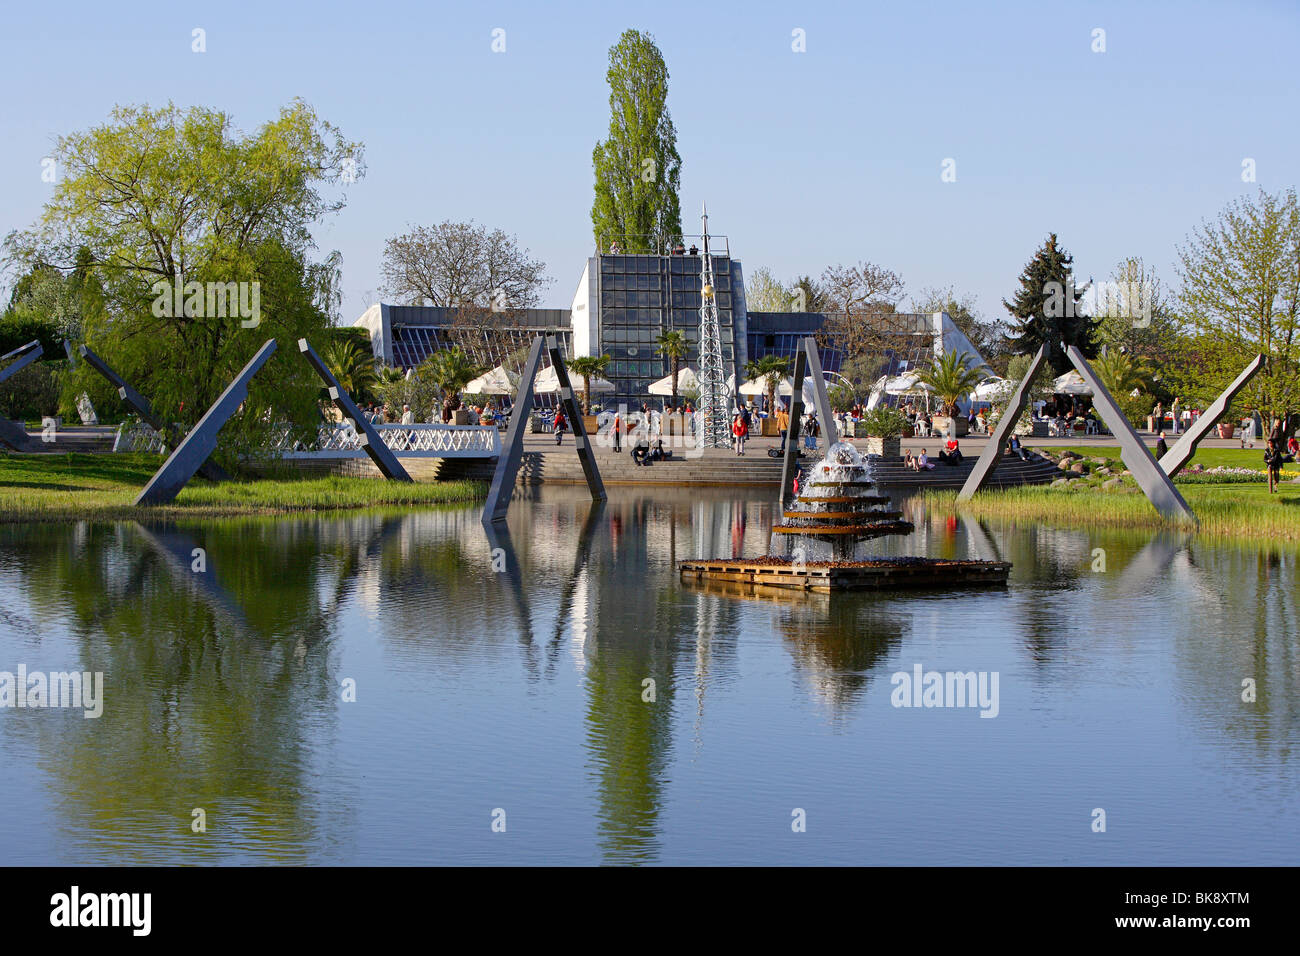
x=405, y=441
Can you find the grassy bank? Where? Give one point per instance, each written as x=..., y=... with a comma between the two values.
x=1206, y=457
x=1227, y=511
x=60, y=487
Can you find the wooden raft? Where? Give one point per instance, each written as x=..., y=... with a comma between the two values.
x=878, y=575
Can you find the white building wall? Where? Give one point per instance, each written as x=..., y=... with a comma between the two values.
x=584, y=311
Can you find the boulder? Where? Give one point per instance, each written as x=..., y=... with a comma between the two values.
x=1058, y=483
x=1103, y=470
x=1111, y=483
x=1079, y=468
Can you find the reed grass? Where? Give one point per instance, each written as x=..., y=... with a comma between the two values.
x=102, y=487
x=1229, y=512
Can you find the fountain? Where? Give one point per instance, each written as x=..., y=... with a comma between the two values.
x=814, y=546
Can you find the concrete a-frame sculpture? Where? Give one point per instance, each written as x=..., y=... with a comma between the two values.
x=1175, y=458
x=12, y=435
x=194, y=450
x=991, y=457
x=209, y=469
x=807, y=364
x=368, y=437
x=512, y=454
x=1151, y=478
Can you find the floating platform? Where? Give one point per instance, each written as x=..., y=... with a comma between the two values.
x=882, y=574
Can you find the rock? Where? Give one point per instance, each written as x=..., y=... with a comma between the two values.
x=1058, y=483
x=1103, y=470
x=1079, y=468
x=1098, y=461
x=1111, y=483
x=1126, y=473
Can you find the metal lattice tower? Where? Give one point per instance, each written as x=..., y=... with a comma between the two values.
x=715, y=397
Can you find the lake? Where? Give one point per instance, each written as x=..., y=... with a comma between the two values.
x=397, y=688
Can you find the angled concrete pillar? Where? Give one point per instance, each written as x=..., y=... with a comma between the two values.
x=790, y=463
x=512, y=452
x=585, y=453
x=820, y=397
x=374, y=446
x=991, y=457
x=194, y=450
x=209, y=469
x=22, y=357
x=11, y=435
x=1177, y=457
x=1151, y=478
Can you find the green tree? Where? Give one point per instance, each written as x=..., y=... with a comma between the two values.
x=588, y=367
x=1121, y=373
x=771, y=369
x=673, y=346
x=1241, y=295
x=353, y=367
x=1046, y=309
x=638, y=170
x=763, y=293
x=951, y=380
x=163, y=197
x=451, y=370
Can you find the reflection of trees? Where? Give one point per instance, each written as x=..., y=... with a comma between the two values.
x=199, y=711
x=837, y=639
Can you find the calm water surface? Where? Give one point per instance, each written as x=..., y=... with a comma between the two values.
x=522, y=690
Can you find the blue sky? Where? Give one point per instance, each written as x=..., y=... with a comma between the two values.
x=805, y=159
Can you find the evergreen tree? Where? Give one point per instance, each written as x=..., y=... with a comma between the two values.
x=1046, y=309
x=638, y=170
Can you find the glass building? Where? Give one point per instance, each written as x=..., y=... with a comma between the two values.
x=625, y=302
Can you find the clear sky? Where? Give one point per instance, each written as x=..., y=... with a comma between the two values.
x=806, y=159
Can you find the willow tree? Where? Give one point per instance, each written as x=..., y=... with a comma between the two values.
x=175, y=214
x=638, y=170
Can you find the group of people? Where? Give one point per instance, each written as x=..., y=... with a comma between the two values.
x=950, y=454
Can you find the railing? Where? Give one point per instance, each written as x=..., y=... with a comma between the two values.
x=413, y=441
x=718, y=245
x=139, y=437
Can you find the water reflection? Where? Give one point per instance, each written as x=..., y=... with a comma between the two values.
x=559, y=655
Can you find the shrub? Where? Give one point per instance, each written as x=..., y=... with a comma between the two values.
x=884, y=422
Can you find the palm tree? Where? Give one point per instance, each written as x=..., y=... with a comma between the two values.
x=1121, y=373
x=353, y=367
x=451, y=370
x=587, y=366
x=673, y=346
x=950, y=378
x=771, y=369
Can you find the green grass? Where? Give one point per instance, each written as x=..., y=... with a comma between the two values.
x=58, y=487
x=1234, y=512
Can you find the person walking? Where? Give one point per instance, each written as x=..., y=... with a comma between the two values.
x=1161, y=446
x=407, y=417
x=739, y=432
x=1273, y=459
x=560, y=424
x=618, y=432
x=1175, y=410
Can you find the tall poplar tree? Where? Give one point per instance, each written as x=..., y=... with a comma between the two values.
x=1046, y=309
x=638, y=170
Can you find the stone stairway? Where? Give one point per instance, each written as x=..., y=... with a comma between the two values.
x=1010, y=471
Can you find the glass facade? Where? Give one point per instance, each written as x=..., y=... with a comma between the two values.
x=643, y=296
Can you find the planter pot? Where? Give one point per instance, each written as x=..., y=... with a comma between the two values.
x=1039, y=430
x=885, y=447
x=951, y=427
x=460, y=417
x=909, y=431
x=589, y=423
x=1225, y=429
x=769, y=428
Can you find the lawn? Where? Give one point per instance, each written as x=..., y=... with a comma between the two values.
x=58, y=487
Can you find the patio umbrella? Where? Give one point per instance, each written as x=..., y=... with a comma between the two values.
x=1071, y=383
x=547, y=382
x=499, y=381
x=686, y=382
x=988, y=389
